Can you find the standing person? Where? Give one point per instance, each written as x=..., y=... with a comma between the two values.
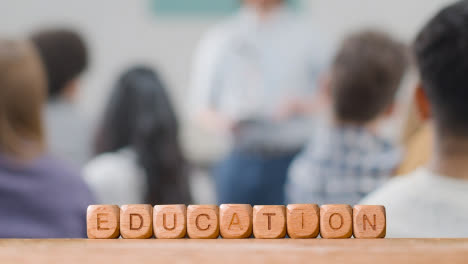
x=40, y=197
x=65, y=57
x=432, y=201
x=346, y=158
x=139, y=159
x=248, y=72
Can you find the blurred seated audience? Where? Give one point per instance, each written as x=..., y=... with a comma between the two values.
x=65, y=57
x=139, y=157
x=431, y=202
x=40, y=197
x=346, y=158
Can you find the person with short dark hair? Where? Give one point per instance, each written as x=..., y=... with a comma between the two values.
x=431, y=201
x=346, y=158
x=40, y=196
x=139, y=158
x=65, y=57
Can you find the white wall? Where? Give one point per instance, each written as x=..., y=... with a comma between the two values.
x=122, y=32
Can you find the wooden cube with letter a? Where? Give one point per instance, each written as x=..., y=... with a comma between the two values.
x=136, y=221
x=303, y=220
x=170, y=221
x=103, y=221
x=336, y=221
x=269, y=221
x=203, y=221
x=235, y=220
x=369, y=221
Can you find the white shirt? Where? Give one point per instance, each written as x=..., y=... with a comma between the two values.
x=423, y=204
x=116, y=178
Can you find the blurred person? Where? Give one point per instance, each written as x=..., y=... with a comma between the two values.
x=40, y=197
x=139, y=157
x=347, y=158
x=65, y=57
x=431, y=201
x=248, y=74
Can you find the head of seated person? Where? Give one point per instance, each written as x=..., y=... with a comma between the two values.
x=22, y=94
x=441, y=51
x=35, y=187
x=65, y=57
x=364, y=78
x=138, y=139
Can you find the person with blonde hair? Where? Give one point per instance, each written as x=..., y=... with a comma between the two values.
x=40, y=197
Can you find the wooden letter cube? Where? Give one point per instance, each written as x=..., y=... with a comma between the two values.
x=236, y=220
x=103, y=221
x=336, y=221
x=136, y=221
x=369, y=221
x=203, y=221
x=269, y=221
x=303, y=220
x=170, y=221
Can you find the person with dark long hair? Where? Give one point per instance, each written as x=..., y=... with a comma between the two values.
x=139, y=159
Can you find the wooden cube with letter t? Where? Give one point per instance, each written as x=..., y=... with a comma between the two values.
x=369, y=221
x=103, y=221
x=170, y=221
x=269, y=221
x=136, y=221
x=235, y=220
x=203, y=221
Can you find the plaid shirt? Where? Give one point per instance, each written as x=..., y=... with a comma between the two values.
x=341, y=164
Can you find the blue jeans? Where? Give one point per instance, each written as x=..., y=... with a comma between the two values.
x=246, y=178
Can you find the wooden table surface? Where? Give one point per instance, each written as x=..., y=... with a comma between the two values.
x=378, y=251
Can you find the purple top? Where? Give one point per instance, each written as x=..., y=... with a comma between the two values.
x=42, y=198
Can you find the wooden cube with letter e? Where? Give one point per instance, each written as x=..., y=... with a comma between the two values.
x=103, y=221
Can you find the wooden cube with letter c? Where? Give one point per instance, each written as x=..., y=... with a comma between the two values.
x=269, y=221
x=336, y=221
x=103, y=221
x=170, y=221
x=136, y=221
x=369, y=221
x=203, y=221
x=235, y=220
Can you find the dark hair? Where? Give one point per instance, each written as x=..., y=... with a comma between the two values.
x=366, y=73
x=441, y=51
x=140, y=115
x=64, y=55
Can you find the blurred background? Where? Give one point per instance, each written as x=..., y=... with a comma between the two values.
x=165, y=34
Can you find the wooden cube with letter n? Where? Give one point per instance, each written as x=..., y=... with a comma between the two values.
x=136, y=221
x=170, y=221
x=369, y=221
x=269, y=221
x=235, y=220
x=336, y=221
x=103, y=221
x=203, y=221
